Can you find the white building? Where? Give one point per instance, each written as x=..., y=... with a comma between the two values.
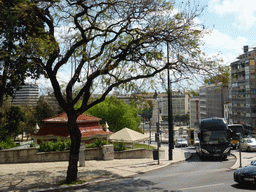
x=28, y=94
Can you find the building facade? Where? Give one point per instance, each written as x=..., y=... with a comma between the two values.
x=194, y=113
x=212, y=99
x=242, y=90
x=28, y=94
x=180, y=102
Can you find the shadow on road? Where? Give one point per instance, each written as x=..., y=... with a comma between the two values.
x=246, y=186
x=126, y=185
x=195, y=158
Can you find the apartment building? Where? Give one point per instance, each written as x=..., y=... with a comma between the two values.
x=212, y=98
x=242, y=90
x=180, y=102
x=28, y=94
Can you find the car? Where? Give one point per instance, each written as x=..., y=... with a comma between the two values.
x=196, y=141
x=181, y=143
x=248, y=144
x=246, y=174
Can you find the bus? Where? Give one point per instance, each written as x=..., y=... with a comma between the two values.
x=236, y=128
x=214, y=138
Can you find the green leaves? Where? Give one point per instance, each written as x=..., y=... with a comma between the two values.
x=47, y=146
x=116, y=113
x=11, y=121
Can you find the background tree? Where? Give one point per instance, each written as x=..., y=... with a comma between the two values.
x=147, y=110
x=42, y=111
x=114, y=43
x=29, y=122
x=11, y=122
x=116, y=113
x=223, y=76
x=16, y=24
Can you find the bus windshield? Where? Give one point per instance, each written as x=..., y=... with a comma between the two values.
x=237, y=129
x=215, y=137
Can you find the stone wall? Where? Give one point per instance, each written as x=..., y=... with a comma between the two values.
x=29, y=155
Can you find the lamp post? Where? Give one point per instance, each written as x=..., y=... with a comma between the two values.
x=157, y=129
x=170, y=120
x=240, y=157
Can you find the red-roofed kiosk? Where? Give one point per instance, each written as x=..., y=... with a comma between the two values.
x=57, y=127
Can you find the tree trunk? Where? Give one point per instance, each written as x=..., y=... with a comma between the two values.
x=75, y=136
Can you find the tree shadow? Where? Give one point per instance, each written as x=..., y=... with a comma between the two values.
x=36, y=180
x=125, y=185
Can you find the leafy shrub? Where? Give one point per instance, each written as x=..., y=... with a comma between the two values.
x=96, y=143
x=46, y=146
x=58, y=145
x=119, y=146
x=32, y=144
x=7, y=144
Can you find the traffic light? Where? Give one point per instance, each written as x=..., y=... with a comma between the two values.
x=156, y=137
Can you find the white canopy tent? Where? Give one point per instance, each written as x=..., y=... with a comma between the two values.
x=128, y=136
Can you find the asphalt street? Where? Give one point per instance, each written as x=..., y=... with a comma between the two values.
x=192, y=175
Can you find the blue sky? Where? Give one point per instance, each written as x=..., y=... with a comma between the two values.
x=233, y=25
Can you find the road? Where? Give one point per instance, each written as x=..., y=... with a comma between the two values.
x=192, y=175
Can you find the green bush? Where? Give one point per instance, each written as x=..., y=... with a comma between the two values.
x=119, y=146
x=58, y=145
x=7, y=144
x=32, y=144
x=96, y=143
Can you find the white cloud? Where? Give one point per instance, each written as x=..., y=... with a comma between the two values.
x=243, y=11
x=221, y=41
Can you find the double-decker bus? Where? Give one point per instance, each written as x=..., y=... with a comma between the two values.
x=236, y=129
x=214, y=138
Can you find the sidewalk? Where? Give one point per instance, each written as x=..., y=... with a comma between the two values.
x=246, y=158
x=46, y=176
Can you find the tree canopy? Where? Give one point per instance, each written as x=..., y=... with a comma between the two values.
x=10, y=122
x=17, y=23
x=108, y=44
x=116, y=113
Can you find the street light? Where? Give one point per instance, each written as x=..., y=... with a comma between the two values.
x=170, y=120
x=239, y=140
x=157, y=128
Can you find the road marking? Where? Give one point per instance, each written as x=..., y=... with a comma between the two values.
x=203, y=186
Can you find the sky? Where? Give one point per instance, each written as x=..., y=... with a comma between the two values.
x=232, y=24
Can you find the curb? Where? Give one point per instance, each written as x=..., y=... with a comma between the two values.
x=232, y=167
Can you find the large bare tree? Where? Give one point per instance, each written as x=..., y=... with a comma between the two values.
x=112, y=43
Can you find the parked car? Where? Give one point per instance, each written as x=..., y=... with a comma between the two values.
x=181, y=143
x=246, y=174
x=248, y=144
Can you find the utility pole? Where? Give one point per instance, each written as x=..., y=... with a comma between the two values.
x=170, y=121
